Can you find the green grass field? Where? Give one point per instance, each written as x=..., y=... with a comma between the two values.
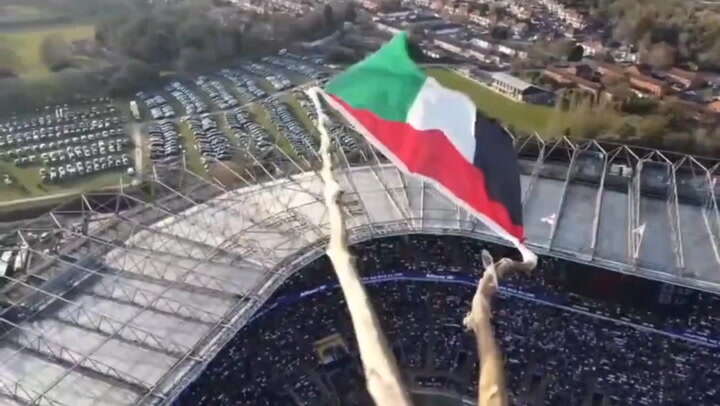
x=21, y=49
x=521, y=116
x=301, y=114
x=27, y=183
x=192, y=155
x=262, y=117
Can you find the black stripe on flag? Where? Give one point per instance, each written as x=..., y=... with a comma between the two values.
x=496, y=157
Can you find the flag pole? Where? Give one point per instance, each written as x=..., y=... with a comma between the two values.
x=492, y=387
x=382, y=375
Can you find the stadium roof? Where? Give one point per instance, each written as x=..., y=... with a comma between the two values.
x=134, y=302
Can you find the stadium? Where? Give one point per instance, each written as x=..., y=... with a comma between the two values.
x=198, y=290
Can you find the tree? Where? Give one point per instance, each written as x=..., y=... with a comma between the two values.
x=653, y=127
x=499, y=32
x=676, y=112
x=7, y=73
x=350, y=13
x=328, y=16
x=9, y=59
x=56, y=53
x=194, y=60
x=560, y=49
x=661, y=55
x=131, y=77
x=576, y=54
x=390, y=5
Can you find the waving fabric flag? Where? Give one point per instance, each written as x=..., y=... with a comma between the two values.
x=429, y=130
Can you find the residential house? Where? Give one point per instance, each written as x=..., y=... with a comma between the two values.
x=396, y=14
x=714, y=107
x=371, y=5
x=479, y=19
x=649, y=85
x=592, y=47
x=512, y=52
x=450, y=45
x=444, y=29
x=521, y=12
x=566, y=77
x=637, y=78
x=482, y=43
x=575, y=19
x=611, y=70
x=685, y=78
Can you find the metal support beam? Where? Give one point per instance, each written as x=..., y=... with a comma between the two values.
x=537, y=167
x=598, y=207
x=634, y=238
x=26, y=340
x=78, y=315
x=674, y=217
x=561, y=202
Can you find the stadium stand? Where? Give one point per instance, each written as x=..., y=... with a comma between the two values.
x=571, y=335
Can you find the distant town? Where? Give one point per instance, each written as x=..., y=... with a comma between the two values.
x=219, y=85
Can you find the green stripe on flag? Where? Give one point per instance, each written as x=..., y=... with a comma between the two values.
x=385, y=83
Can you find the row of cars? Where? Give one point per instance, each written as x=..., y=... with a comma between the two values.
x=93, y=149
x=217, y=93
x=209, y=139
x=297, y=65
x=76, y=132
x=345, y=136
x=301, y=141
x=159, y=107
x=191, y=102
x=165, y=145
x=61, y=114
x=273, y=75
x=246, y=86
x=249, y=134
x=27, y=154
x=79, y=168
x=82, y=139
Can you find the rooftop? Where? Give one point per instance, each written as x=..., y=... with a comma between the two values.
x=511, y=80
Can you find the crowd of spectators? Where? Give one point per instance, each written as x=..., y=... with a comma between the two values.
x=555, y=354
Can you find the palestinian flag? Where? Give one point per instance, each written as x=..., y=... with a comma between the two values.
x=429, y=130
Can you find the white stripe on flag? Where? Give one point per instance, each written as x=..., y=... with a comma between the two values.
x=439, y=108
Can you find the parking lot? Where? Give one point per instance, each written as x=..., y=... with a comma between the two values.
x=65, y=146
x=237, y=110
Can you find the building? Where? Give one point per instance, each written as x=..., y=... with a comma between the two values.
x=479, y=19
x=521, y=12
x=444, y=29
x=520, y=90
x=575, y=19
x=592, y=47
x=512, y=52
x=450, y=45
x=649, y=85
x=395, y=14
x=567, y=77
x=252, y=6
x=371, y=5
x=686, y=79
x=483, y=43
x=611, y=70
x=388, y=26
x=714, y=107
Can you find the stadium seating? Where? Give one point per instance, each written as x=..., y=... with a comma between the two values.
x=573, y=350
